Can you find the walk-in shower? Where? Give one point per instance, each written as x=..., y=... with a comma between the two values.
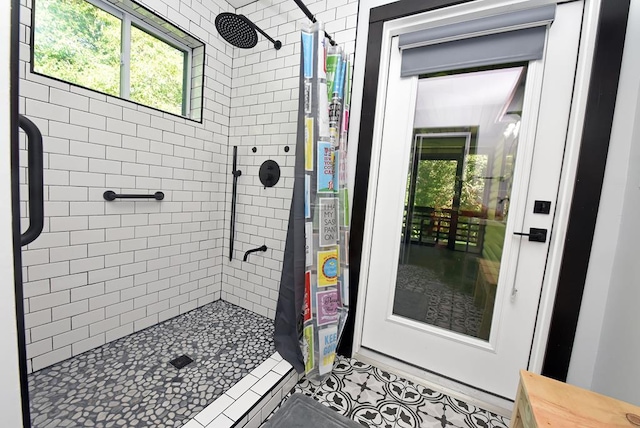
x=136, y=312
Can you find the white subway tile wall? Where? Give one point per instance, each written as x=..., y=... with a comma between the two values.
x=264, y=112
x=102, y=270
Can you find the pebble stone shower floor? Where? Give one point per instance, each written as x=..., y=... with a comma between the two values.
x=130, y=382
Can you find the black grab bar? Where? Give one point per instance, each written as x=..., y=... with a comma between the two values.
x=236, y=173
x=262, y=248
x=110, y=195
x=36, y=180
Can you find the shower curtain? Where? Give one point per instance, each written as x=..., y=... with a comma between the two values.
x=313, y=299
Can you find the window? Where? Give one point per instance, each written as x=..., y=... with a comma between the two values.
x=128, y=53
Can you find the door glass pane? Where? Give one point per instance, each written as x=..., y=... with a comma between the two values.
x=457, y=198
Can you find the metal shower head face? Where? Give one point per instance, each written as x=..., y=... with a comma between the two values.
x=237, y=30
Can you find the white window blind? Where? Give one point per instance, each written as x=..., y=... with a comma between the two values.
x=499, y=39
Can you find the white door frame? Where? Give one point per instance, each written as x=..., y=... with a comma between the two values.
x=583, y=73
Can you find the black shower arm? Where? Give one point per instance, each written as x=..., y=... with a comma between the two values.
x=255, y=27
x=312, y=18
x=276, y=43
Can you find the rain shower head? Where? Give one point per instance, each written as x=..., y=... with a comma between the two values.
x=240, y=31
x=237, y=30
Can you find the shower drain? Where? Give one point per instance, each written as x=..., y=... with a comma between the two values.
x=181, y=361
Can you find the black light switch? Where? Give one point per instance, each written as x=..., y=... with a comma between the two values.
x=542, y=207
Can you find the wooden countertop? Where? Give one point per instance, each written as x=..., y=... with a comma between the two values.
x=557, y=404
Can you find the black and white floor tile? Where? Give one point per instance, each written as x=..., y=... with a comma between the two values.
x=130, y=383
x=422, y=296
x=376, y=398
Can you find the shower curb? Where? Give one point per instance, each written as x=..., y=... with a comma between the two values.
x=251, y=400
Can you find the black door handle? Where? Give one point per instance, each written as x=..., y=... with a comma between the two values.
x=535, y=235
x=36, y=181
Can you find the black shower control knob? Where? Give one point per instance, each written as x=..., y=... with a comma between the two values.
x=269, y=173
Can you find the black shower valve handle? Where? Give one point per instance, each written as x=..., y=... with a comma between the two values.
x=269, y=173
x=269, y=179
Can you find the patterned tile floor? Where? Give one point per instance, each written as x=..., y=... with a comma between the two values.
x=130, y=383
x=376, y=398
x=422, y=296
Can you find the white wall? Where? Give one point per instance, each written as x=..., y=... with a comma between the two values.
x=102, y=270
x=604, y=342
x=10, y=406
x=264, y=115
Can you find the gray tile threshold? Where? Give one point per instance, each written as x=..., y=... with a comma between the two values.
x=129, y=382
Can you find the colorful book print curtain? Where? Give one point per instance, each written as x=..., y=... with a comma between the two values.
x=326, y=80
x=313, y=296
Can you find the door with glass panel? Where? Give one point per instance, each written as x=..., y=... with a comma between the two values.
x=458, y=254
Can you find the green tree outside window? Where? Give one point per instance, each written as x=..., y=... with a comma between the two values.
x=80, y=43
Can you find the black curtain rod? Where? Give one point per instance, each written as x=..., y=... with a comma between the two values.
x=313, y=19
